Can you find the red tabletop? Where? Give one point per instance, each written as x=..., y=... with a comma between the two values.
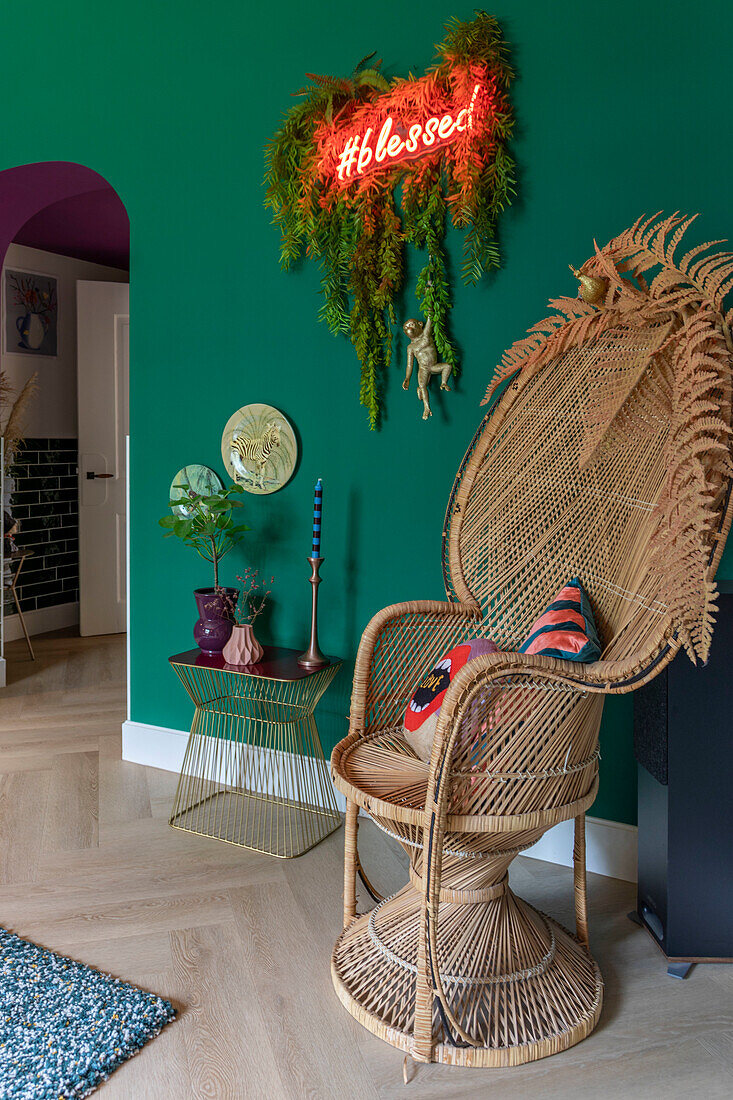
x=277, y=663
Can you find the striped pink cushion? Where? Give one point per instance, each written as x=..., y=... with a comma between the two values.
x=567, y=628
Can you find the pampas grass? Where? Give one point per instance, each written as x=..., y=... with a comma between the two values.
x=13, y=427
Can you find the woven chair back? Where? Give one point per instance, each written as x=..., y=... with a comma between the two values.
x=564, y=478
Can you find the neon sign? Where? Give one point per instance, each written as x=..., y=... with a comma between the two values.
x=365, y=167
x=388, y=132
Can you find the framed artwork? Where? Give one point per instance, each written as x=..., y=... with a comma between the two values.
x=31, y=307
x=197, y=479
x=259, y=448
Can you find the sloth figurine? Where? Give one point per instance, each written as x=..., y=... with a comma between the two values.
x=422, y=347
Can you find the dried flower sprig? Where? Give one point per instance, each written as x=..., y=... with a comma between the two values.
x=249, y=602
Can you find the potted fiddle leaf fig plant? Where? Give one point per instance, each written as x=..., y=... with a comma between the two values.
x=207, y=523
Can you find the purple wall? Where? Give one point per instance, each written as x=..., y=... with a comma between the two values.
x=93, y=226
x=64, y=208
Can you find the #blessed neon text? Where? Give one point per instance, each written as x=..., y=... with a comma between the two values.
x=406, y=143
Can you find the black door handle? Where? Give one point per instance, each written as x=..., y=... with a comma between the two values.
x=91, y=476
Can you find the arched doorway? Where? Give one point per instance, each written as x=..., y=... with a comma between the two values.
x=64, y=236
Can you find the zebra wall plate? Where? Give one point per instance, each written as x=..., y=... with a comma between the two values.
x=199, y=479
x=259, y=448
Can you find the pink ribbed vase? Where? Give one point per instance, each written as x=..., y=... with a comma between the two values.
x=242, y=648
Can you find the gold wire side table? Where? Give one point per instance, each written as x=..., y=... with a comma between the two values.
x=254, y=773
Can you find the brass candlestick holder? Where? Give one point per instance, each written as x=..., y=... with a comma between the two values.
x=313, y=658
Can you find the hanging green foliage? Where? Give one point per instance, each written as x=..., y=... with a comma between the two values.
x=363, y=165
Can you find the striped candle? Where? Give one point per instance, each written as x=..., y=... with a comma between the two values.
x=317, y=501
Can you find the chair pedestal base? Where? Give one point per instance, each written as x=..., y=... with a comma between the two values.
x=521, y=985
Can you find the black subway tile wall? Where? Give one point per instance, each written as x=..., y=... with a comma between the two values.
x=45, y=503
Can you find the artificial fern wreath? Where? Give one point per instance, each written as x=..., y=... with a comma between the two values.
x=363, y=165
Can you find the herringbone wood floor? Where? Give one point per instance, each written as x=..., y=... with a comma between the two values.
x=241, y=942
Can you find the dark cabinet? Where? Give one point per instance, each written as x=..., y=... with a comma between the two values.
x=683, y=735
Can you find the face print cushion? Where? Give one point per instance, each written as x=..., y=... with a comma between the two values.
x=421, y=717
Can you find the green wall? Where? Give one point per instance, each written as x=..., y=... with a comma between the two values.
x=620, y=110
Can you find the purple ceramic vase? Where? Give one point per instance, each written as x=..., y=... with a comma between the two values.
x=214, y=627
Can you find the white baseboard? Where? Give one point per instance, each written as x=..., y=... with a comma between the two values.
x=153, y=746
x=42, y=620
x=3, y=672
x=610, y=845
x=158, y=747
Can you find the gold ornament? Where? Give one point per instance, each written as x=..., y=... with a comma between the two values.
x=591, y=289
x=422, y=349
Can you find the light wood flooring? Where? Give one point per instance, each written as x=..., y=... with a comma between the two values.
x=241, y=942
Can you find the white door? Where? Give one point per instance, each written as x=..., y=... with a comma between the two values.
x=103, y=321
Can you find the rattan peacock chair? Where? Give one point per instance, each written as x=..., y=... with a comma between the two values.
x=606, y=458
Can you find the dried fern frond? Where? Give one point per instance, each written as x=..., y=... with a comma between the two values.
x=679, y=313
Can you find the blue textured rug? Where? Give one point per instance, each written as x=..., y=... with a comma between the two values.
x=65, y=1027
